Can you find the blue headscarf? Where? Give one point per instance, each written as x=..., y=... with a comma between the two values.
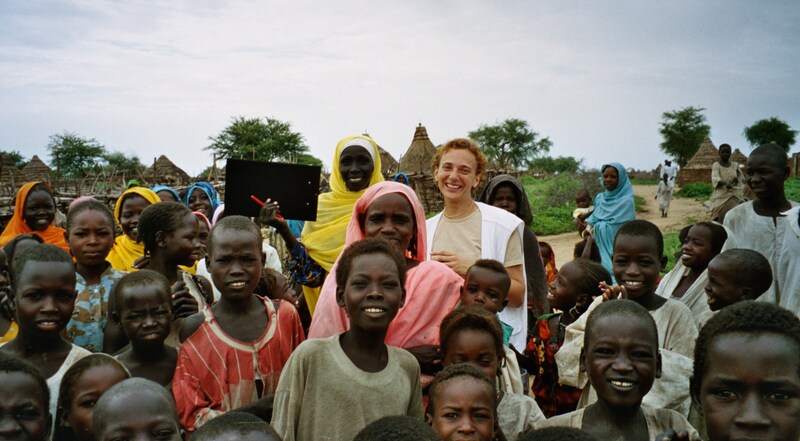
x=172, y=191
x=612, y=209
x=208, y=189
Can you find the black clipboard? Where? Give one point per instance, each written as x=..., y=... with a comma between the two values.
x=294, y=186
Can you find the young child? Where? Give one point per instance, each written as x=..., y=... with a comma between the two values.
x=90, y=236
x=558, y=434
x=16, y=246
x=664, y=194
x=24, y=407
x=34, y=212
x=583, y=200
x=463, y=405
x=760, y=224
x=486, y=284
x=549, y=259
x=136, y=409
x=397, y=428
x=638, y=256
x=43, y=298
x=746, y=379
x=733, y=276
x=620, y=355
x=233, y=352
x=472, y=335
x=127, y=247
x=143, y=312
x=333, y=387
x=83, y=384
x=688, y=279
x=236, y=426
x=570, y=295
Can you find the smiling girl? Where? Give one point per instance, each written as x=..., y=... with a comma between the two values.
x=127, y=248
x=35, y=212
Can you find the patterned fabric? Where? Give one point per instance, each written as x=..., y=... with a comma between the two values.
x=553, y=398
x=217, y=373
x=85, y=328
x=303, y=268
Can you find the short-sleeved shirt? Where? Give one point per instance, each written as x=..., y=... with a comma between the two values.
x=462, y=237
x=85, y=328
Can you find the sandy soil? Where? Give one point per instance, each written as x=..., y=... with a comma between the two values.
x=681, y=212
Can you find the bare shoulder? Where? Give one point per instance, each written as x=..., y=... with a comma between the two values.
x=190, y=325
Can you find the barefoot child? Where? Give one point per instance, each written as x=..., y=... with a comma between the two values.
x=236, y=426
x=688, y=279
x=463, y=405
x=34, y=212
x=233, y=352
x=620, y=355
x=43, y=299
x=638, y=256
x=136, y=409
x=486, y=284
x=733, y=276
x=570, y=294
x=333, y=387
x=746, y=380
x=24, y=408
x=90, y=236
x=143, y=312
x=83, y=384
x=471, y=335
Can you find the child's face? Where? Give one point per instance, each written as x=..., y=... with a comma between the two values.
x=45, y=298
x=40, y=210
x=235, y=263
x=88, y=388
x=132, y=208
x=610, y=178
x=90, y=238
x=184, y=243
x=562, y=294
x=203, y=238
x=622, y=359
x=198, y=201
x=485, y=287
x=724, y=154
x=722, y=290
x=583, y=201
x=166, y=196
x=463, y=410
x=764, y=176
x=23, y=411
x=475, y=347
x=392, y=218
x=145, y=314
x=754, y=395
x=141, y=417
x=697, y=250
x=505, y=198
x=372, y=294
x=636, y=264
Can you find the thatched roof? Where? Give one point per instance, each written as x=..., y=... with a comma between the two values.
x=10, y=175
x=739, y=157
x=36, y=170
x=166, y=172
x=419, y=156
x=388, y=163
x=705, y=157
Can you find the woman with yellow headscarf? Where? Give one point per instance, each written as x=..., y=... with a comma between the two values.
x=356, y=166
x=126, y=211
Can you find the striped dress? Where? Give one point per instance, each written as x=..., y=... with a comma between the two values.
x=217, y=373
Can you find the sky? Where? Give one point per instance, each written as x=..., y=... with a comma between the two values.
x=147, y=77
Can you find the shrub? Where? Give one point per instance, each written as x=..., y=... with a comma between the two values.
x=695, y=190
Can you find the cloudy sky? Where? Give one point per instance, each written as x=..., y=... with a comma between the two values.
x=153, y=77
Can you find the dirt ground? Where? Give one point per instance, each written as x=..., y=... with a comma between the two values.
x=682, y=211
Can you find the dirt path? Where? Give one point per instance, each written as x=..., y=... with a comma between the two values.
x=681, y=212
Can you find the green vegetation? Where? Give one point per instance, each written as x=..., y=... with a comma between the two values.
x=792, y=188
x=695, y=190
x=552, y=201
x=637, y=181
x=671, y=246
x=638, y=203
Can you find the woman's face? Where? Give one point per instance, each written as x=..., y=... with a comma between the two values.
x=610, y=178
x=356, y=167
x=456, y=175
x=199, y=201
x=505, y=198
x=392, y=218
x=40, y=210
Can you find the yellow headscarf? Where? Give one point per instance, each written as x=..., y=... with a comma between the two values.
x=126, y=250
x=324, y=239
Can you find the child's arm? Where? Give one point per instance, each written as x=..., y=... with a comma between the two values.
x=270, y=215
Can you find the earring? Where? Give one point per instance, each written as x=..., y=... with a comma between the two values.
x=574, y=312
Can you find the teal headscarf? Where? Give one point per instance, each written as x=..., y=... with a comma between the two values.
x=612, y=209
x=208, y=189
x=172, y=191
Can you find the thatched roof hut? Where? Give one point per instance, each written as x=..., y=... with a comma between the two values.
x=417, y=165
x=10, y=176
x=36, y=170
x=739, y=157
x=164, y=171
x=388, y=163
x=698, y=169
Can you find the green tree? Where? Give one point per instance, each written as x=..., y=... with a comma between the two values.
x=560, y=164
x=308, y=159
x=121, y=162
x=510, y=144
x=75, y=156
x=683, y=131
x=16, y=157
x=263, y=140
x=771, y=130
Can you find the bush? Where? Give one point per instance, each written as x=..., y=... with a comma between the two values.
x=695, y=190
x=671, y=246
x=792, y=188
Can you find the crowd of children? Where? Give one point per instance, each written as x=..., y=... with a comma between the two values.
x=112, y=338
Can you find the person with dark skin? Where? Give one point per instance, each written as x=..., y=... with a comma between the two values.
x=24, y=414
x=136, y=409
x=34, y=212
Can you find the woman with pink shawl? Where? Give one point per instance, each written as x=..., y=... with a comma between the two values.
x=432, y=289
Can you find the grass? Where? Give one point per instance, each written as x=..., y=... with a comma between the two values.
x=792, y=188
x=671, y=246
x=552, y=201
x=695, y=190
x=637, y=181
